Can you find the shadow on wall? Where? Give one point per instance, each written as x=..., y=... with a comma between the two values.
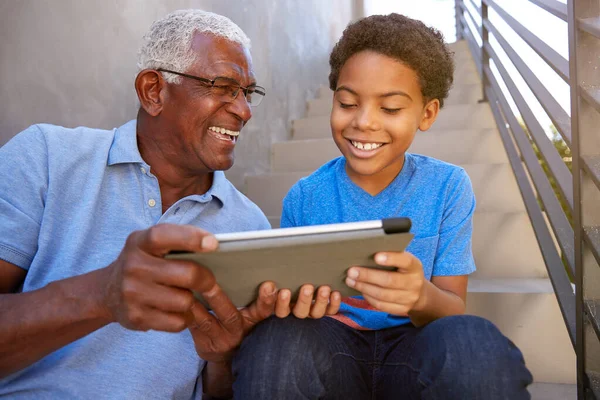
x=73, y=63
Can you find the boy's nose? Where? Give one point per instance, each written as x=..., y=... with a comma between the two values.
x=366, y=120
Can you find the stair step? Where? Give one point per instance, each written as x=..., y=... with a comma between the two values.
x=522, y=315
x=456, y=147
x=494, y=185
x=552, y=391
x=459, y=116
x=459, y=94
x=504, y=247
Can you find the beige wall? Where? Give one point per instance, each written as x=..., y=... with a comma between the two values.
x=72, y=62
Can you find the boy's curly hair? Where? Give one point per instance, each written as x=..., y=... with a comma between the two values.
x=407, y=40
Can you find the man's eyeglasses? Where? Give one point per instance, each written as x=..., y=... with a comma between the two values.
x=227, y=89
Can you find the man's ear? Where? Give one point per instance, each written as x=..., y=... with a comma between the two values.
x=430, y=113
x=150, y=87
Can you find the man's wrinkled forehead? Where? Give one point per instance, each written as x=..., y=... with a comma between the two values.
x=220, y=55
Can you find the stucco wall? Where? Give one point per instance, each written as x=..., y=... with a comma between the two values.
x=72, y=62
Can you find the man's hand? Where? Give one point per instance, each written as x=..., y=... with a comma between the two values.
x=324, y=303
x=218, y=334
x=395, y=292
x=145, y=291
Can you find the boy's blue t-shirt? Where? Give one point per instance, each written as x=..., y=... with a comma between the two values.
x=435, y=195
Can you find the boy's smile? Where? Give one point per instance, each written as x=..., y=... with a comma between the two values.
x=377, y=109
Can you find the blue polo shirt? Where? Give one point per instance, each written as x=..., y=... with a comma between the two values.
x=435, y=195
x=68, y=200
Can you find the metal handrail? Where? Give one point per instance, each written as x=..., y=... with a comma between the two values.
x=554, y=60
x=554, y=7
x=560, y=281
x=578, y=241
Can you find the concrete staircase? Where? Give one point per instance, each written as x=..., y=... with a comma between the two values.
x=511, y=286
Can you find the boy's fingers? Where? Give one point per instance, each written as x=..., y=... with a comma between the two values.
x=379, y=293
x=335, y=300
x=322, y=300
x=304, y=302
x=404, y=261
x=282, y=307
x=387, y=279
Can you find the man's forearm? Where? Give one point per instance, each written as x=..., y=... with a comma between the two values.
x=36, y=323
x=217, y=380
x=437, y=303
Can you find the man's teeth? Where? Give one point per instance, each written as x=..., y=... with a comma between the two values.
x=366, y=146
x=224, y=131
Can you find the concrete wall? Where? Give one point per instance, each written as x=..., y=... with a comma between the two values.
x=72, y=62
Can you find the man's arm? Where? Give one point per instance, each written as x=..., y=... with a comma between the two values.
x=34, y=324
x=140, y=290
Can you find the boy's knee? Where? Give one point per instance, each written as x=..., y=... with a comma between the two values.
x=475, y=350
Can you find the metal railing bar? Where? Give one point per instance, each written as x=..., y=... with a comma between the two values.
x=556, y=165
x=558, y=276
x=591, y=95
x=464, y=7
x=473, y=46
x=557, y=114
x=590, y=25
x=554, y=60
x=475, y=6
x=592, y=309
x=560, y=224
x=554, y=7
x=591, y=234
x=591, y=165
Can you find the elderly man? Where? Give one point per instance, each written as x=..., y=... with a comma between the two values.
x=89, y=306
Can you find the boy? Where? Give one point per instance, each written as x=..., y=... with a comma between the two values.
x=405, y=337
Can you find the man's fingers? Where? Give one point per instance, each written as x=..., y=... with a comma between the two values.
x=183, y=274
x=262, y=308
x=160, y=321
x=227, y=314
x=167, y=299
x=304, y=302
x=282, y=306
x=161, y=239
x=203, y=324
x=319, y=308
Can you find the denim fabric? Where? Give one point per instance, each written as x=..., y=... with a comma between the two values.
x=459, y=357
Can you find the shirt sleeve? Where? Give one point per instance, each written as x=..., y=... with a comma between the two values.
x=291, y=214
x=23, y=187
x=454, y=255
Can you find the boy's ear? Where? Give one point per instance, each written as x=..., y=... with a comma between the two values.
x=430, y=113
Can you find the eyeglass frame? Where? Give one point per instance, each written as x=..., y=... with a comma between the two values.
x=261, y=90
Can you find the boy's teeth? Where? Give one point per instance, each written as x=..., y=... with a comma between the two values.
x=366, y=146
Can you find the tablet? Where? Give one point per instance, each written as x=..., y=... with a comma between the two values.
x=291, y=257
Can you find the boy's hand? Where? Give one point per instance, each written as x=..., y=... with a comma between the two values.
x=325, y=302
x=395, y=292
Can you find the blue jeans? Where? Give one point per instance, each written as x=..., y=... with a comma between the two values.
x=459, y=357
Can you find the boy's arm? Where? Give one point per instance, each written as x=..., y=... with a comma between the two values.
x=442, y=297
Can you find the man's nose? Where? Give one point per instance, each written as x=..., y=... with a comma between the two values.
x=240, y=107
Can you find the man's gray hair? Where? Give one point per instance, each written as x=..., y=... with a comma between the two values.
x=168, y=43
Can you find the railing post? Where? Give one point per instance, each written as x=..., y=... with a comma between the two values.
x=459, y=27
x=485, y=57
x=585, y=119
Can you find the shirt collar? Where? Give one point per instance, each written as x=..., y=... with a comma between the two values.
x=124, y=148
x=219, y=186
